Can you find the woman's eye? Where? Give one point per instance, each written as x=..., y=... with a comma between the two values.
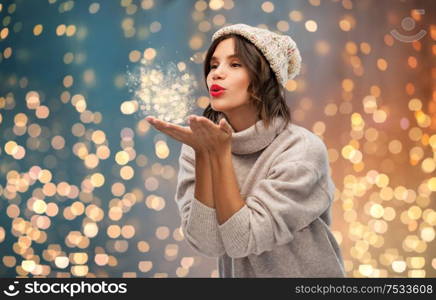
x=234, y=64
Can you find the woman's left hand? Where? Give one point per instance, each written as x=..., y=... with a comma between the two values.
x=213, y=138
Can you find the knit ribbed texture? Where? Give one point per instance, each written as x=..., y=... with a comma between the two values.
x=283, y=228
x=280, y=50
x=199, y=222
x=243, y=142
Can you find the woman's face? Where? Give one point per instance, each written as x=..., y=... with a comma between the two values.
x=228, y=72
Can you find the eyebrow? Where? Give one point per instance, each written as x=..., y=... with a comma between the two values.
x=229, y=56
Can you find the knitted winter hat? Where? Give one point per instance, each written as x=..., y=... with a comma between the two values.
x=280, y=50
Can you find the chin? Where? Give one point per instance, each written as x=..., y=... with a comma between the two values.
x=221, y=107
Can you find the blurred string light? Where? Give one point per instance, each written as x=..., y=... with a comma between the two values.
x=382, y=153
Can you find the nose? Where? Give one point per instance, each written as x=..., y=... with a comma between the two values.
x=218, y=72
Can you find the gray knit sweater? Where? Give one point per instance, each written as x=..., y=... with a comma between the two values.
x=283, y=229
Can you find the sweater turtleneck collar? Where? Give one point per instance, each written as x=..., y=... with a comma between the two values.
x=249, y=140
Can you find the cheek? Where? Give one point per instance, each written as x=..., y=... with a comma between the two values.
x=209, y=78
x=244, y=80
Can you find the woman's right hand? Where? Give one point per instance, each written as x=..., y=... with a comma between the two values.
x=181, y=133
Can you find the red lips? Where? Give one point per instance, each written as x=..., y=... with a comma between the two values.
x=216, y=87
x=216, y=90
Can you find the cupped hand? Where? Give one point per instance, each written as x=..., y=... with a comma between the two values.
x=182, y=134
x=211, y=137
x=202, y=134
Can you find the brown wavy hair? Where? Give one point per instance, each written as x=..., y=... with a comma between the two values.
x=266, y=94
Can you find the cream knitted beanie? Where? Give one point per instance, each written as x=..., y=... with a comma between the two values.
x=280, y=50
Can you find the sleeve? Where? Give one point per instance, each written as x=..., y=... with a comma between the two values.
x=288, y=200
x=198, y=221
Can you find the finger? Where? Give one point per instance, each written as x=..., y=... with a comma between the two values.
x=179, y=135
x=200, y=133
x=158, y=124
x=195, y=122
x=174, y=129
x=225, y=126
x=177, y=128
x=194, y=127
x=222, y=125
x=150, y=119
x=161, y=125
x=168, y=125
x=208, y=124
x=155, y=121
x=204, y=120
x=191, y=118
x=198, y=128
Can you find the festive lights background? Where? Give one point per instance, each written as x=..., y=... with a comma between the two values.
x=87, y=186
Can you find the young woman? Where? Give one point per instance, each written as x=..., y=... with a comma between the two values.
x=254, y=189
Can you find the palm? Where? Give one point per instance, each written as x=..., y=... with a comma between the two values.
x=183, y=134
